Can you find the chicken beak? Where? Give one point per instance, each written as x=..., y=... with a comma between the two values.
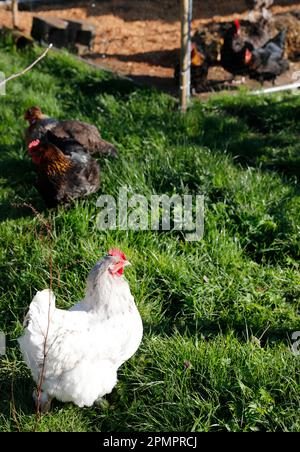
x=119, y=266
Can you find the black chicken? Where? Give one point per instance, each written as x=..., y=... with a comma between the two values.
x=267, y=62
x=235, y=52
x=65, y=171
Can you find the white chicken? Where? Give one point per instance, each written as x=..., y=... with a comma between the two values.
x=74, y=355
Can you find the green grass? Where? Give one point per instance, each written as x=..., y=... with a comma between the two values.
x=227, y=304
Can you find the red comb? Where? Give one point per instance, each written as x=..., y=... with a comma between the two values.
x=237, y=24
x=33, y=144
x=117, y=252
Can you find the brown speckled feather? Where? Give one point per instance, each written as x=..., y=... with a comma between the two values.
x=63, y=177
x=86, y=135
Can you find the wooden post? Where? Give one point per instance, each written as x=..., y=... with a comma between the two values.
x=185, y=55
x=14, y=7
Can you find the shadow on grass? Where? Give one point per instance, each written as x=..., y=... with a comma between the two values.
x=207, y=329
x=267, y=116
x=163, y=58
x=18, y=177
x=274, y=152
x=272, y=139
x=16, y=395
x=114, y=86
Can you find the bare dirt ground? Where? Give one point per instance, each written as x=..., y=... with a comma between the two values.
x=139, y=39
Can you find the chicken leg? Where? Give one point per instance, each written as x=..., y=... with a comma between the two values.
x=42, y=402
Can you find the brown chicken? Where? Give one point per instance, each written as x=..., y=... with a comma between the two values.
x=199, y=69
x=63, y=173
x=209, y=37
x=86, y=135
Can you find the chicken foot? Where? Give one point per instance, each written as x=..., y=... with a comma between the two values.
x=43, y=403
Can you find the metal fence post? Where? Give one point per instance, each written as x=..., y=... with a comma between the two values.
x=185, y=54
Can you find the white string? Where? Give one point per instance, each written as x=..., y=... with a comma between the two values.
x=18, y=74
